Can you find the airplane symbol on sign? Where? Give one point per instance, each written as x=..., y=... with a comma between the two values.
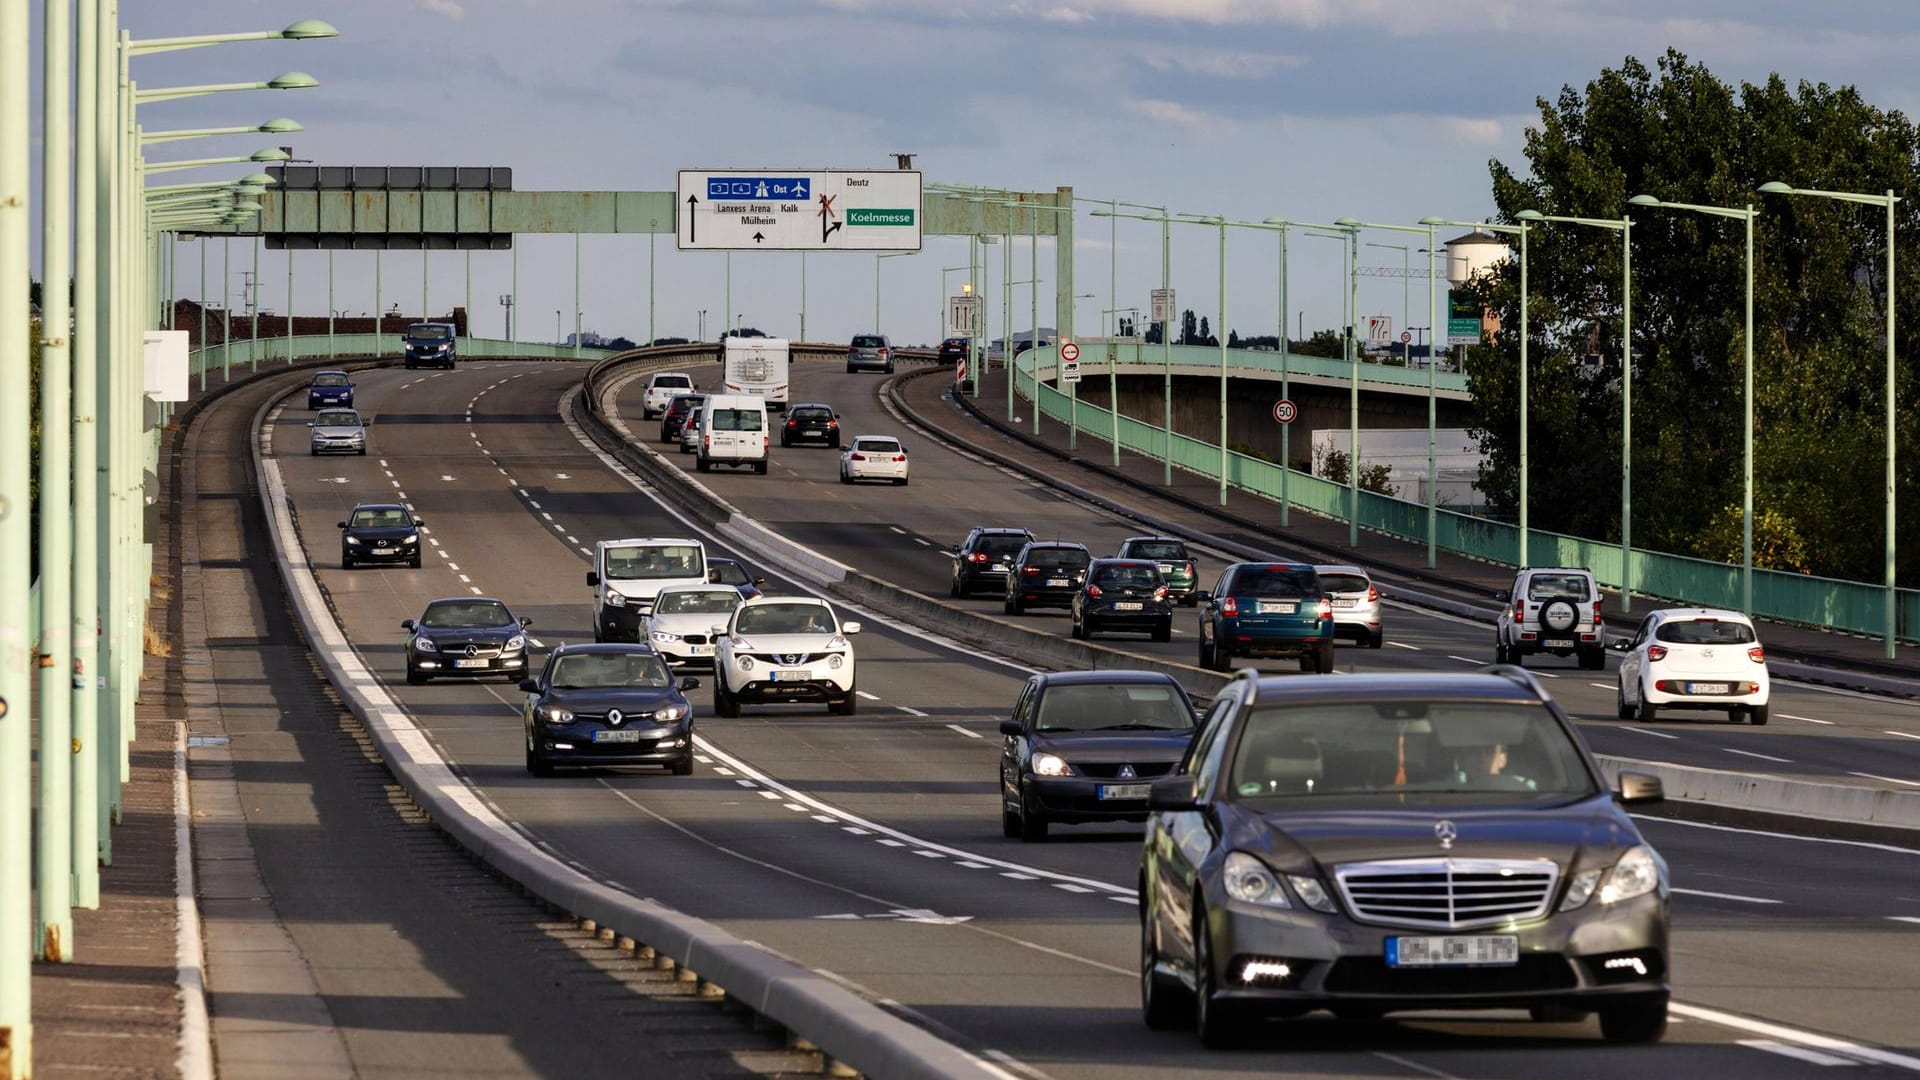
x=827, y=225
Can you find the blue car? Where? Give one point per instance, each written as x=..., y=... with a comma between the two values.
x=1267, y=609
x=735, y=573
x=607, y=705
x=330, y=388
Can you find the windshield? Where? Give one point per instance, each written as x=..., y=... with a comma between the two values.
x=466, y=615
x=1344, y=583
x=331, y=379
x=877, y=446
x=1551, y=586
x=1158, y=549
x=429, y=333
x=394, y=518
x=649, y=561
x=727, y=573
x=1388, y=751
x=1113, y=707
x=796, y=618
x=1003, y=546
x=338, y=418
x=1051, y=556
x=811, y=412
x=671, y=382
x=734, y=420
x=1276, y=581
x=683, y=402
x=1704, y=632
x=1127, y=574
x=595, y=671
x=869, y=341
x=703, y=601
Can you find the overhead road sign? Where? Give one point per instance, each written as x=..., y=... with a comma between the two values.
x=798, y=210
x=406, y=207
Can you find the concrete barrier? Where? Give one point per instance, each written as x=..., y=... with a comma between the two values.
x=852, y=1031
x=1849, y=803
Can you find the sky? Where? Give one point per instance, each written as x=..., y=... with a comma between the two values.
x=1383, y=110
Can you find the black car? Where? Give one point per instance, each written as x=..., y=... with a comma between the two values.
x=1084, y=746
x=380, y=533
x=1124, y=596
x=1046, y=574
x=983, y=558
x=954, y=349
x=603, y=705
x=870, y=351
x=1177, y=566
x=1388, y=842
x=733, y=572
x=811, y=421
x=466, y=636
x=676, y=413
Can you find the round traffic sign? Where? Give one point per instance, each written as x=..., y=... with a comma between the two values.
x=1406, y=336
x=1284, y=411
x=1069, y=351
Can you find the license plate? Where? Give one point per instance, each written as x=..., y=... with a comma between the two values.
x=469, y=663
x=1128, y=605
x=1056, y=582
x=1707, y=688
x=814, y=431
x=1266, y=608
x=383, y=551
x=1558, y=643
x=616, y=736
x=1343, y=603
x=787, y=675
x=1166, y=568
x=1002, y=567
x=700, y=650
x=1502, y=950
x=1123, y=791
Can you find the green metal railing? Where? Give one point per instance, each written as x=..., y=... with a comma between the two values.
x=1186, y=358
x=255, y=351
x=1851, y=606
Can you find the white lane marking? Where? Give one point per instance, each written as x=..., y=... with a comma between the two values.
x=1886, y=779
x=465, y=580
x=723, y=770
x=796, y=808
x=964, y=731
x=1425, y=1070
x=971, y=865
x=890, y=842
x=453, y=566
x=1649, y=731
x=583, y=549
x=1762, y=757
x=1070, y=887
x=869, y=697
x=444, y=476
x=921, y=542
x=772, y=796
x=537, y=643
x=855, y=830
x=383, y=463
x=442, y=552
x=1799, y=1053
x=533, y=504
x=925, y=854
x=1015, y=875
x=402, y=495
x=1015, y=1064
x=1723, y=896
x=573, y=540
x=1603, y=686
x=1915, y=919
x=1465, y=659
x=1404, y=645
x=1810, y=1039
x=824, y=819
x=910, y=710
x=746, y=783
x=1134, y=900
x=475, y=590
x=1870, y=845
x=435, y=543
x=1902, y=734
x=1546, y=674
x=1806, y=719
x=898, y=529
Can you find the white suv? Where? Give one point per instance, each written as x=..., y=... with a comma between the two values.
x=1694, y=658
x=783, y=649
x=1551, y=610
x=661, y=389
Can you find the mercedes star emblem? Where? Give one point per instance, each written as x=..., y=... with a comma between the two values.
x=473, y=650
x=1446, y=832
x=614, y=717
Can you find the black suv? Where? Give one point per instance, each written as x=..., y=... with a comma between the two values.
x=1125, y=595
x=983, y=558
x=607, y=705
x=429, y=345
x=379, y=533
x=1046, y=574
x=674, y=416
x=811, y=420
x=953, y=350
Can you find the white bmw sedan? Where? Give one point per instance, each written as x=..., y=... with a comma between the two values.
x=1694, y=658
x=683, y=616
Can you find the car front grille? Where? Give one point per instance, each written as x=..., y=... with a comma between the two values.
x=1110, y=770
x=1449, y=894
x=786, y=659
x=694, y=639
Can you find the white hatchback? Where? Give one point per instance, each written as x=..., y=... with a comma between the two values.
x=681, y=625
x=661, y=388
x=1356, y=604
x=874, y=457
x=1694, y=658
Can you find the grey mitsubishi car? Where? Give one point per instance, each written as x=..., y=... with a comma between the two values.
x=1375, y=843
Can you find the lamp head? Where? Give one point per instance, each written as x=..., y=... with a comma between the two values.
x=1643, y=200
x=1346, y=223
x=280, y=126
x=292, y=80
x=1275, y=221
x=271, y=154
x=1432, y=221
x=309, y=28
x=1775, y=187
x=1531, y=215
x=256, y=180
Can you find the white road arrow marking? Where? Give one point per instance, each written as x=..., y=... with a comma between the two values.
x=444, y=477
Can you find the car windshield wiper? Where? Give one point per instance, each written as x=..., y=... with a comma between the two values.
x=1131, y=727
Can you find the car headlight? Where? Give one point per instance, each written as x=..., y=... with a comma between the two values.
x=1311, y=892
x=663, y=637
x=516, y=643
x=836, y=661
x=614, y=599
x=354, y=540
x=838, y=641
x=1050, y=765
x=670, y=713
x=1248, y=880
x=554, y=714
x=414, y=539
x=1636, y=874
x=425, y=644
x=746, y=663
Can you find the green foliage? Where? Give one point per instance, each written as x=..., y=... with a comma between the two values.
x=1820, y=286
x=1327, y=343
x=1777, y=544
x=1375, y=477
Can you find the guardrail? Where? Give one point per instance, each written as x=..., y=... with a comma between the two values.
x=1245, y=362
x=255, y=351
x=1832, y=603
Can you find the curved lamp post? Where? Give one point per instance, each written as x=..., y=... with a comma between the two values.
x=277, y=126
x=291, y=80
x=258, y=156
x=1166, y=335
x=303, y=30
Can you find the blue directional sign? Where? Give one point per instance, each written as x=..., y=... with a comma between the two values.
x=772, y=188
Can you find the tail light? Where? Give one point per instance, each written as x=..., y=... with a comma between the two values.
x=886, y=352
x=1596, y=613
x=1656, y=652
x=978, y=556
x=1757, y=654
x=1229, y=607
x=1160, y=593
x=1519, y=610
x=856, y=457
x=1192, y=570
x=706, y=441
x=791, y=422
x=833, y=423
x=1326, y=608
x=899, y=457
x=1373, y=594
x=1093, y=591
x=1031, y=571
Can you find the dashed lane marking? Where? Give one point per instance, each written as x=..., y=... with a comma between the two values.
x=909, y=710
x=1806, y=719
x=1886, y=779
x=1753, y=754
x=964, y=731
x=1736, y=897
x=1404, y=645
x=869, y=697
x=1650, y=731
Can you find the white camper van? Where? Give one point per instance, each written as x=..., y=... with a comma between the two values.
x=758, y=366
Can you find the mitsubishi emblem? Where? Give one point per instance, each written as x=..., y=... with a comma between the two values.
x=1127, y=773
x=1446, y=832
x=614, y=716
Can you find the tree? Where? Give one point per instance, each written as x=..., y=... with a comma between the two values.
x=1233, y=339
x=1206, y=335
x=1678, y=132
x=1189, y=329
x=1326, y=343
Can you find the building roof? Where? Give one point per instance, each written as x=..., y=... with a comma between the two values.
x=1477, y=237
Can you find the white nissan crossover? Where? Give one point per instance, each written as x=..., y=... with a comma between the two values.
x=779, y=649
x=1694, y=658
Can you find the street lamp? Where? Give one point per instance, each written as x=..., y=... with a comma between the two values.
x=1220, y=223
x=280, y=126
x=1888, y=200
x=1166, y=334
x=1521, y=231
x=1033, y=210
x=269, y=154
x=1745, y=214
x=876, y=284
x=303, y=30
x=290, y=80
x=1433, y=470
x=1623, y=226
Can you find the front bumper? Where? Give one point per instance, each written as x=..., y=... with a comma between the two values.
x=337, y=446
x=1076, y=799
x=433, y=359
x=682, y=654
x=370, y=553
x=574, y=745
x=1334, y=961
x=446, y=665
x=816, y=683
x=319, y=401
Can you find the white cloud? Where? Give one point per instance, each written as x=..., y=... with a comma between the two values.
x=1479, y=130
x=1221, y=65
x=1172, y=112
x=449, y=8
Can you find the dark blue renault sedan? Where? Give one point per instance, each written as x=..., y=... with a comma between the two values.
x=606, y=705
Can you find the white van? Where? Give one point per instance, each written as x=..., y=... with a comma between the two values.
x=758, y=366
x=733, y=431
x=628, y=574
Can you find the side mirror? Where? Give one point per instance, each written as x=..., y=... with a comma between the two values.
x=343, y=524
x=717, y=631
x=525, y=622
x=850, y=627
x=689, y=684
x=1173, y=793
x=1620, y=645
x=309, y=423
x=1503, y=596
x=406, y=624
x=1011, y=727
x=419, y=523
x=759, y=581
x=1638, y=789
x=1201, y=596
x=593, y=580
x=530, y=686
